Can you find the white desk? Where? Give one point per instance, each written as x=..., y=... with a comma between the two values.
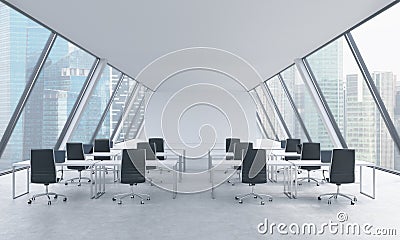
x=27, y=164
x=100, y=166
x=361, y=164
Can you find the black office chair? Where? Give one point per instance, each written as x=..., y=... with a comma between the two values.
x=239, y=149
x=75, y=152
x=157, y=145
x=310, y=151
x=59, y=157
x=283, y=144
x=292, y=145
x=254, y=171
x=230, y=146
x=341, y=172
x=43, y=171
x=133, y=169
x=149, y=153
x=102, y=145
x=326, y=156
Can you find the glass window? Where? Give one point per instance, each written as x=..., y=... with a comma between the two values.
x=378, y=41
x=306, y=107
x=351, y=103
x=285, y=108
x=95, y=107
x=21, y=43
x=135, y=117
x=271, y=114
x=50, y=102
x=117, y=107
x=260, y=112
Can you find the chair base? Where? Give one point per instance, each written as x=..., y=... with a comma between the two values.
x=309, y=179
x=254, y=195
x=72, y=180
x=47, y=194
x=233, y=181
x=131, y=194
x=335, y=195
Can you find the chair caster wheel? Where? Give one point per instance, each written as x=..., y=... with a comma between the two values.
x=255, y=197
x=66, y=184
x=72, y=180
x=148, y=199
x=79, y=184
x=120, y=202
x=89, y=181
x=262, y=202
x=65, y=199
x=355, y=199
x=270, y=199
x=49, y=203
x=329, y=202
x=142, y=202
x=233, y=184
x=132, y=196
x=236, y=198
x=319, y=198
x=240, y=201
x=29, y=201
x=114, y=199
x=55, y=196
x=352, y=203
x=317, y=184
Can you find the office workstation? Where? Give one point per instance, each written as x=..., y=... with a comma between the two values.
x=199, y=120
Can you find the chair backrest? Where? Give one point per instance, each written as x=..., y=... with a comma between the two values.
x=311, y=151
x=133, y=166
x=241, y=149
x=102, y=145
x=87, y=148
x=230, y=144
x=283, y=144
x=157, y=144
x=43, y=169
x=149, y=152
x=326, y=156
x=342, y=166
x=75, y=151
x=291, y=144
x=59, y=156
x=254, y=166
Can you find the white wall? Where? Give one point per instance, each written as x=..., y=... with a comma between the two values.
x=199, y=109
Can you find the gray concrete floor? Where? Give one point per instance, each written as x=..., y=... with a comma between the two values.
x=189, y=216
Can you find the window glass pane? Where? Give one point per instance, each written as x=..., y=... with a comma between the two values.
x=263, y=118
x=306, y=107
x=133, y=122
x=351, y=103
x=117, y=107
x=285, y=108
x=271, y=114
x=378, y=41
x=95, y=107
x=21, y=43
x=51, y=100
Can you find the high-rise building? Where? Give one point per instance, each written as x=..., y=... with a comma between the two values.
x=365, y=130
x=327, y=66
x=21, y=43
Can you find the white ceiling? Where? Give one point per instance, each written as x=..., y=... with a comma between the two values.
x=131, y=34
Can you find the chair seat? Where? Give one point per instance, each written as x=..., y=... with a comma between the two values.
x=78, y=168
x=310, y=168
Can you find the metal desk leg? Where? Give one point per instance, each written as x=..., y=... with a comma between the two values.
x=295, y=182
x=91, y=182
x=212, y=184
x=373, y=183
x=175, y=188
x=96, y=181
x=13, y=183
x=180, y=168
